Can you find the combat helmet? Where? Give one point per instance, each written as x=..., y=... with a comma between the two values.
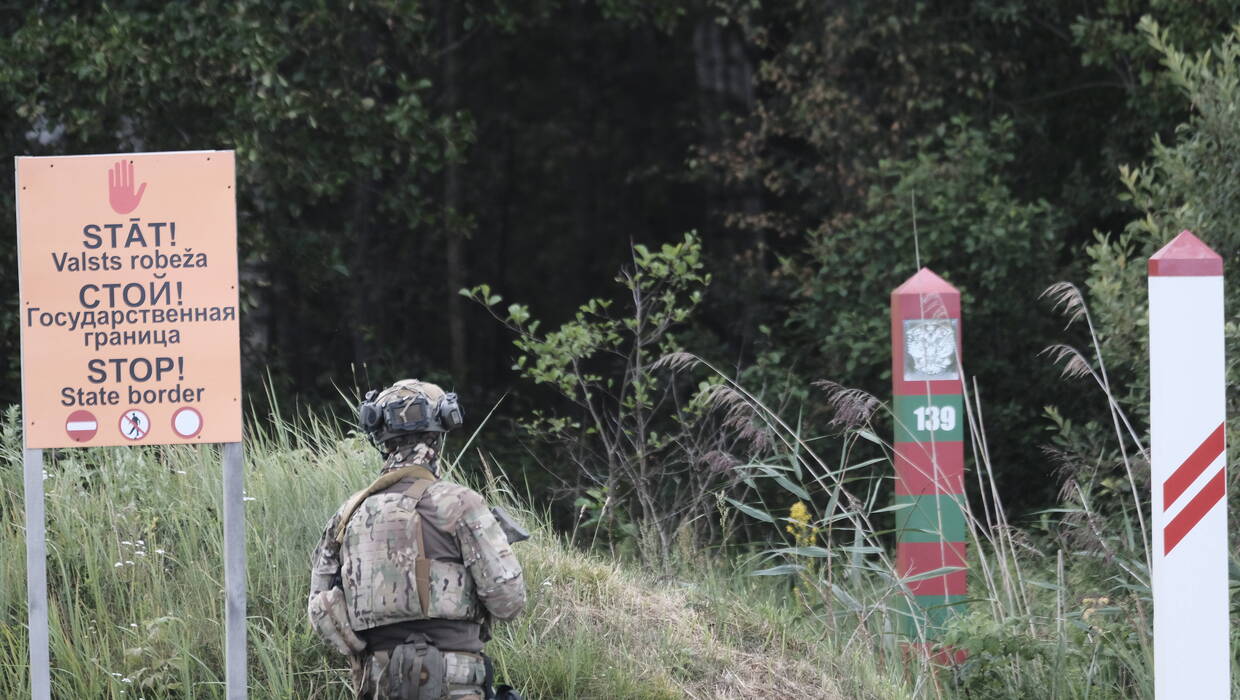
x=408, y=407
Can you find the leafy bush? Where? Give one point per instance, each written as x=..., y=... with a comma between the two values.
x=1187, y=184
x=652, y=448
x=953, y=209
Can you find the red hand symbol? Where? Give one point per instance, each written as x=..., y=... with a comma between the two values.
x=120, y=188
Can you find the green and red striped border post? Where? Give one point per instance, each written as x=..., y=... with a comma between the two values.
x=929, y=456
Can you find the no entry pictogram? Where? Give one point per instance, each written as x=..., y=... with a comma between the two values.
x=81, y=426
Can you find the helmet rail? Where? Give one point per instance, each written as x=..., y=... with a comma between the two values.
x=407, y=407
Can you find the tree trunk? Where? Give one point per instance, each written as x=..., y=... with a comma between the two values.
x=363, y=210
x=725, y=91
x=362, y=291
x=583, y=183
x=454, y=231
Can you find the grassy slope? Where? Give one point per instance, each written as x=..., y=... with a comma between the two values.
x=136, y=582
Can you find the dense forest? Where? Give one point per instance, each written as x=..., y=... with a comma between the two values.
x=393, y=154
x=652, y=245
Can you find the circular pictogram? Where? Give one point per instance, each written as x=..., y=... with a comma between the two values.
x=187, y=422
x=135, y=424
x=81, y=426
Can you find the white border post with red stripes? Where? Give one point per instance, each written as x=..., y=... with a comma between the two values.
x=1188, y=476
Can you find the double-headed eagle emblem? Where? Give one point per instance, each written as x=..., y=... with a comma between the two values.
x=930, y=349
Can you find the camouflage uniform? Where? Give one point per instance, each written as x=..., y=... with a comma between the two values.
x=408, y=587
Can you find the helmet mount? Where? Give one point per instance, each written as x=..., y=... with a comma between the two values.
x=406, y=408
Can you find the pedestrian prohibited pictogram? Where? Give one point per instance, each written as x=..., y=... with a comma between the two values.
x=81, y=425
x=135, y=424
x=187, y=422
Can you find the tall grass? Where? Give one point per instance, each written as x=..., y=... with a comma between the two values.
x=1059, y=608
x=135, y=563
x=1060, y=603
x=136, y=589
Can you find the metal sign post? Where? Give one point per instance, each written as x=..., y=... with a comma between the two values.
x=234, y=573
x=130, y=336
x=1188, y=472
x=234, y=570
x=36, y=577
x=929, y=456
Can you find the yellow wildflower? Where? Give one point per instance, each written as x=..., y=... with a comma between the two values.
x=800, y=529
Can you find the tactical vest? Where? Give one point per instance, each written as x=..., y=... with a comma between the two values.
x=387, y=573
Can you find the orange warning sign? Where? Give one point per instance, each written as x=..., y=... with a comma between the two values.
x=128, y=274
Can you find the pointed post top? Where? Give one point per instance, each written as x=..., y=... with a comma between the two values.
x=1185, y=256
x=925, y=282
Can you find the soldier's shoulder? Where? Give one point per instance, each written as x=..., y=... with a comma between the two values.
x=453, y=501
x=344, y=505
x=357, y=495
x=450, y=492
x=352, y=503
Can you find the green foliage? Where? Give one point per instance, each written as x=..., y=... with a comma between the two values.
x=1188, y=183
x=845, y=84
x=1091, y=652
x=135, y=569
x=331, y=113
x=349, y=129
x=951, y=203
x=773, y=119
x=842, y=85
x=1036, y=624
x=665, y=287
x=955, y=205
x=629, y=427
x=851, y=96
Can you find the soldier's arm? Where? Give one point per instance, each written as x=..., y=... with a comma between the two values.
x=325, y=565
x=490, y=560
x=326, y=606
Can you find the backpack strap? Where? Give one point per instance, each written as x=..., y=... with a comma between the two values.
x=422, y=564
x=384, y=481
